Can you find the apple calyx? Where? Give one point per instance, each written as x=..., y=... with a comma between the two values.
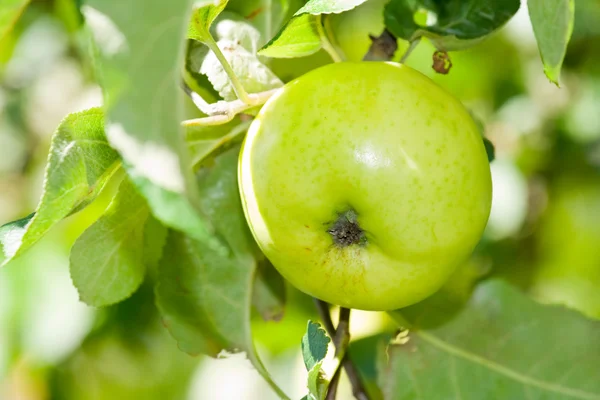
x=346, y=231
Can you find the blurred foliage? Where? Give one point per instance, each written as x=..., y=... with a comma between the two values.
x=543, y=235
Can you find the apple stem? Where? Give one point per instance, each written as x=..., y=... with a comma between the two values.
x=346, y=231
x=358, y=389
x=326, y=43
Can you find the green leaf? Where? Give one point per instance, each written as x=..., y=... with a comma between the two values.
x=501, y=345
x=200, y=296
x=79, y=165
x=10, y=11
x=301, y=35
x=269, y=293
x=206, y=143
x=205, y=295
x=155, y=238
x=314, y=345
x=552, y=22
x=317, y=7
x=455, y=25
x=443, y=305
x=317, y=382
x=107, y=260
x=489, y=149
x=238, y=41
x=314, y=350
x=202, y=19
x=139, y=65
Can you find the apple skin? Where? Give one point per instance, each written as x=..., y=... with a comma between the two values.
x=384, y=141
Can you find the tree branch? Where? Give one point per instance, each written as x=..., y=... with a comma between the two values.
x=341, y=341
x=383, y=47
x=358, y=389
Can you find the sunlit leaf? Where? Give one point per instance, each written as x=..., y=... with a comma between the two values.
x=202, y=18
x=552, y=22
x=301, y=35
x=140, y=58
x=79, y=165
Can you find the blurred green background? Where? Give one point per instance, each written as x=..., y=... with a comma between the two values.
x=543, y=232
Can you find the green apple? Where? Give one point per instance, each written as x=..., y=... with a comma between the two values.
x=365, y=184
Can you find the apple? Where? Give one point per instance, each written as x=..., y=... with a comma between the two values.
x=365, y=184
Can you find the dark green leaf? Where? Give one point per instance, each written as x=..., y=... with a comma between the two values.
x=205, y=295
x=314, y=345
x=155, y=237
x=107, y=260
x=456, y=24
x=301, y=35
x=317, y=382
x=79, y=165
x=489, y=149
x=552, y=22
x=269, y=294
x=139, y=70
x=363, y=353
x=10, y=11
x=502, y=345
x=314, y=350
x=200, y=296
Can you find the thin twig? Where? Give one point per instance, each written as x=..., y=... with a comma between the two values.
x=341, y=341
x=222, y=111
x=325, y=43
x=358, y=389
x=411, y=47
x=233, y=78
x=333, y=385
